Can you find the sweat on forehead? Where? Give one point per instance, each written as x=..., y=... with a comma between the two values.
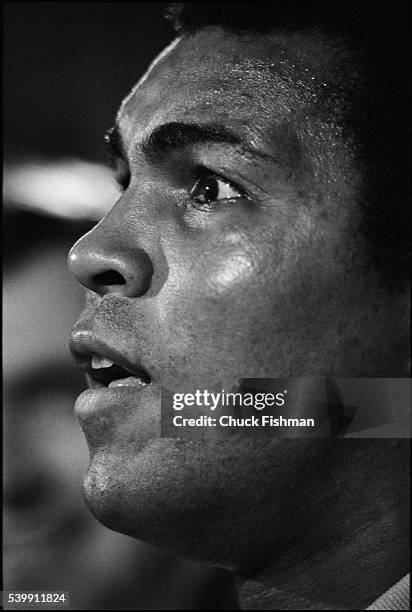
x=254, y=51
x=233, y=76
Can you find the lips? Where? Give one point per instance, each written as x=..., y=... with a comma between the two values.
x=105, y=366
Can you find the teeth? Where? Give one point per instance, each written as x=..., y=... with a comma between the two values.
x=101, y=362
x=131, y=381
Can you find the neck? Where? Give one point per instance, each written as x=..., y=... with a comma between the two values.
x=357, y=547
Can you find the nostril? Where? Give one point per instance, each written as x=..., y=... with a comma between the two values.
x=110, y=277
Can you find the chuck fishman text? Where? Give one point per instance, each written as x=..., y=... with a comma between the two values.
x=229, y=421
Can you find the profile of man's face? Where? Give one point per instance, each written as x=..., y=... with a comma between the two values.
x=234, y=251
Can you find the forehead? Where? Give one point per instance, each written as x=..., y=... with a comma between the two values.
x=242, y=81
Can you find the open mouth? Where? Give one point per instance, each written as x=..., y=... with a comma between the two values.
x=105, y=367
x=103, y=372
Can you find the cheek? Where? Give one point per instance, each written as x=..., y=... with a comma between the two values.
x=213, y=308
x=232, y=273
x=243, y=305
x=216, y=272
x=202, y=284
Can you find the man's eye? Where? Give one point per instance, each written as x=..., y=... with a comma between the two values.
x=211, y=188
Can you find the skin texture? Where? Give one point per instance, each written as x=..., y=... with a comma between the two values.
x=276, y=283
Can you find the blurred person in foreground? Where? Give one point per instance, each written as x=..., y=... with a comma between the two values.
x=50, y=541
x=260, y=233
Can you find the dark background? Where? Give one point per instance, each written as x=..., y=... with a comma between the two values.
x=67, y=67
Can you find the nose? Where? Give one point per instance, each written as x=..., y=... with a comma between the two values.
x=105, y=264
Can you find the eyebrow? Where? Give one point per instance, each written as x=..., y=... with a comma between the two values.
x=170, y=137
x=174, y=136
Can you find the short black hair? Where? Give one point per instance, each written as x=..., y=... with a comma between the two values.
x=376, y=34
x=264, y=17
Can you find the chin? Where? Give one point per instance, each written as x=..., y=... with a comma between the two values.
x=194, y=499
x=150, y=497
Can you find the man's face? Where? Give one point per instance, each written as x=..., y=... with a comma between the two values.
x=233, y=252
